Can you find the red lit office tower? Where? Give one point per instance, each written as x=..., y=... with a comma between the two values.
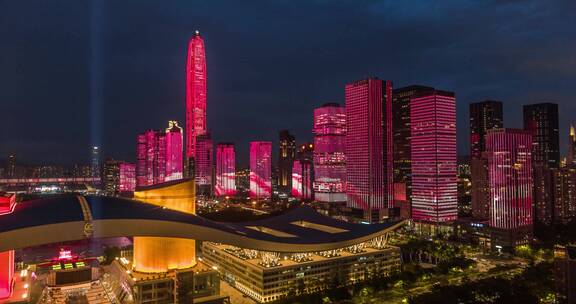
x=225, y=170
x=329, y=158
x=368, y=150
x=127, y=177
x=173, y=151
x=402, y=147
x=484, y=116
x=433, y=153
x=151, y=158
x=510, y=175
x=260, y=169
x=204, y=163
x=195, y=96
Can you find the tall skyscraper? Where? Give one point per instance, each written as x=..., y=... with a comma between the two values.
x=565, y=194
x=151, y=158
x=303, y=172
x=402, y=148
x=95, y=161
x=195, y=96
x=484, y=116
x=510, y=175
x=260, y=169
x=225, y=170
x=141, y=168
x=11, y=168
x=111, y=176
x=329, y=153
x=174, y=151
x=297, y=179
x=286, y=155
x=127, y=177
x=565, y=273
x=433, y=153
x=571, y=159
x=541, y=120
x=369, y=147
x=204, y=164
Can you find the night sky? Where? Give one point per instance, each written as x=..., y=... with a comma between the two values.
x=78, y=73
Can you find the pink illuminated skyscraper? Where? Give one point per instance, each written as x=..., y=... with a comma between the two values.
x=297, y=179
x=329, y=158
x=225, y=170
x=204, y=164
x=301, y=179
x=195, y=94
x=141, y=171
x=510, y=176
x=173, y=151
x=151, y=158
x=127, y=177
x=260, y=169
x=434, y=182
x=368, y=150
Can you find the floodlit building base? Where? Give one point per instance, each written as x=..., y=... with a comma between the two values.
x=199, y=284
x=270, y=276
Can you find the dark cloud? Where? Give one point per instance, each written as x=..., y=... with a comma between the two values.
x=269, y=64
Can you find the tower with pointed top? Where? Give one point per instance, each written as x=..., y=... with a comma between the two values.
x=195, y=97
x=572, y=147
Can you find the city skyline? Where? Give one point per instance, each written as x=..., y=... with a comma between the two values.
x=155, y=93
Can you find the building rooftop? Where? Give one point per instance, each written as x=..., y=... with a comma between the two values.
x=65, y=218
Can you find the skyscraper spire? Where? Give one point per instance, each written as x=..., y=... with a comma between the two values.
x=571, y=160
x=195, y=94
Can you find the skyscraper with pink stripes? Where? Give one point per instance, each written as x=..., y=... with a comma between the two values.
x=195, y=97
x=260, y=169
x=433, y=153
x=369, y=158
x=225, y=170
x=510, y=176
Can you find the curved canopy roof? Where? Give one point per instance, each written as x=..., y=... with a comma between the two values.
x=70, y=217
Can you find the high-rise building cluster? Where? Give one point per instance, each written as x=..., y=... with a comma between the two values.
x=159, y=155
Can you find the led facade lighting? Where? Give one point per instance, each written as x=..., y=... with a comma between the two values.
x=174, y=151
x=225, y=170
x=368, y=150
x=329, y=153
x=510, y=176
x=260, y=169
x=195, y=93
x=434, y=182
